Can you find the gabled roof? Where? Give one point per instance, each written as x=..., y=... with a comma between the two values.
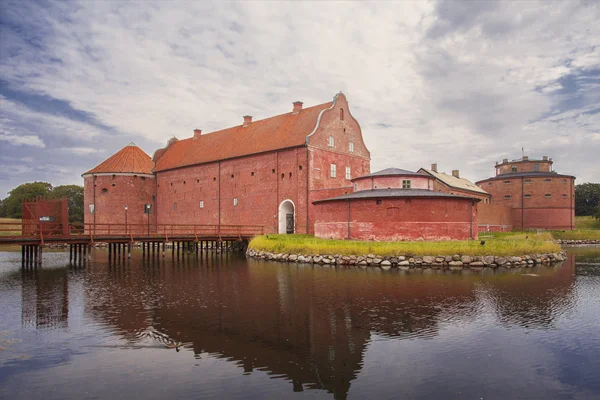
x=130, y=159
x=390, y=172
x=454, y=182
x=279, y=132
x=381, y=193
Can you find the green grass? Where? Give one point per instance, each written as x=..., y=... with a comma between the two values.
x=587, y=223
x=306, y=244
x=10, y=226
x=577, y=234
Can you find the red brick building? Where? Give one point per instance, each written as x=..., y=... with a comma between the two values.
x=396, y=204
x=265, y=172
x=538, y=197
x=116, y=190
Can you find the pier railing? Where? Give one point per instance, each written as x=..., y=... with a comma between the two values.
x=55, y=232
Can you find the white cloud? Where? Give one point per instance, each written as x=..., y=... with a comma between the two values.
x=26, y=140
x=456, y=85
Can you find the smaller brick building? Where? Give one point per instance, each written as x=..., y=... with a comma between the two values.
x=538, y=197
x=116, y=190
x=396, y=204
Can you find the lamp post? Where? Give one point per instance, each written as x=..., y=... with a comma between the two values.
x=126, y=219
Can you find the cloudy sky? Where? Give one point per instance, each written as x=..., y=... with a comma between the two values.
x=463, y=84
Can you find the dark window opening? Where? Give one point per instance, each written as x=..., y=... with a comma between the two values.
x=113, y=184
x=300, y=167
x=171, y=183
x=507, y=196
x=564, y=196
x=378, y=201
x=143, y=178
x=548, y=195
x=135, y=177
x=548, y=180
x=214, y=179
x=184, y=182
x=527, y=196
x=273, y=170
x=232, y=176
x=282, y=176
x=153, y=197
x=105, y=190
x=341, y=114
x=513, y=168
x=290, y=174
x=251, y=173
x=197, y=180
x=113, y=176
x=507, y=182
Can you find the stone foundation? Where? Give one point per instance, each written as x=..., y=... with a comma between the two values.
x=576, y=242
x=455, y=262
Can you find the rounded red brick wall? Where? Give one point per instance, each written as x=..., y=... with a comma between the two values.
x=112, y=193
x=397, y=219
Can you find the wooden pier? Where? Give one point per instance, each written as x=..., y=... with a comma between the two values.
x=155, y=240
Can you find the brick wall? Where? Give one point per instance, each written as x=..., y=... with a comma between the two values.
x=524, y=166
x=113, y=192
x=397, y=219
x=555, y=211
x=384, y=182
x=495, y=215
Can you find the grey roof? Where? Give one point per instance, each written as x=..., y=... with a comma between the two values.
x=527, y=175
x=382, y=193
x=388, y=172
x=452, y=181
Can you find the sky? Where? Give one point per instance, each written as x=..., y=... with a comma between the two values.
x=460, y=84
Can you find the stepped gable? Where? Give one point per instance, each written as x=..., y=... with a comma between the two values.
x=130, y=159
x=279, y=132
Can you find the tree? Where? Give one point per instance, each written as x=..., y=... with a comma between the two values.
x=74, y=194
x=587, y=198
x=12, y=204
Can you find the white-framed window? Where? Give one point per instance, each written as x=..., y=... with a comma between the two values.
x=332, y=171
x=91, y=208
x=235, y=201
x=351, y=147
x=406, y=184
x=201, y=203
x=331, y=141
x=348, y=173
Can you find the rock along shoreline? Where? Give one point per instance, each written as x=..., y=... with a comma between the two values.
x=572, y=242
x=455, y=262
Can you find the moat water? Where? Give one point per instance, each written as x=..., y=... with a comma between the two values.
x=226, y=327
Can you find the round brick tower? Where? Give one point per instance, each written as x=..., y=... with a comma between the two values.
x=540, y=198
x=117, y=190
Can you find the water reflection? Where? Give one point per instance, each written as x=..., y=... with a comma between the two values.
x=45, y=298
x=309, y=325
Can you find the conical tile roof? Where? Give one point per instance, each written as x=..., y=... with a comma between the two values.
x=130, y=159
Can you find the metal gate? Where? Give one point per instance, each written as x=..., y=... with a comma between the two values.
x=289, y=223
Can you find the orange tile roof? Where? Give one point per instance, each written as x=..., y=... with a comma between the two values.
x=130, y=159
x=279, y=132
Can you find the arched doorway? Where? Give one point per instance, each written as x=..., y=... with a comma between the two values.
x=287, y=223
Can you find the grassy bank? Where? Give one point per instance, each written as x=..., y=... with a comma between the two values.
x=578, y=234
x=586, y=223
x=10, y=226
x=306, y=244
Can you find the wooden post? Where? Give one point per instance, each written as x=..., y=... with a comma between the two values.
x=80, y=252
x=41, y=251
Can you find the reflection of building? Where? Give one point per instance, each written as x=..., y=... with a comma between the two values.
x=45, y=298
x=309, y=325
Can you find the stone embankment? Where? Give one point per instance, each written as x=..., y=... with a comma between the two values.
x=575, y=242
x=455, y=262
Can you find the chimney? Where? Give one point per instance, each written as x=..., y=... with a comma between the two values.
x=434, y=167
x=197, y=133
x=525, y=158
x=455, y=173
x=545, y=158
x=297, y=106
x=247, y=120
x=505, y=160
